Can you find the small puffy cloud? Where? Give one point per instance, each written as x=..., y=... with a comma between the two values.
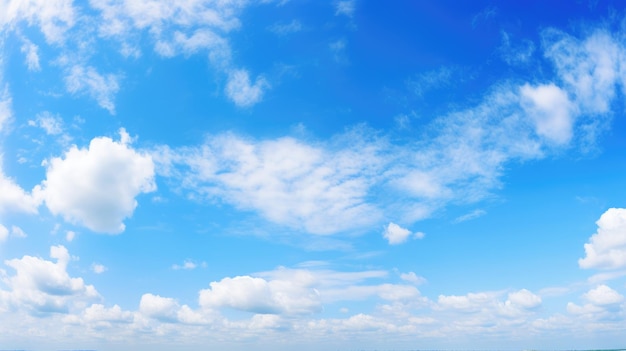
x=54, y=18
x=606, y=248
x=395, y=234
x=51, y=124
x=42, y=286
x=98, y=268
x=551, y=111
x=188, y=265
x=70, y=235
x=161, y=308
x=86, y=80
x=524, y=299
x=345, y=7
x=96, y=187
x=258, y=295
x=411, y=277
x=603, y=296
x=242, y=91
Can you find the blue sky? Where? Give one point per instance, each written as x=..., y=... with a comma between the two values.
x=234, y=174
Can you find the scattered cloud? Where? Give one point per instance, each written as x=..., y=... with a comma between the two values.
x=4, y=233
x=96, y=186
x=606, y=248
x=86, y=80
x=286, y=28
x=345, y=7
x=31, y=52
x=519, y=54
x=18, y=232
x=469, y=216
x=14, y=198
x=98, y=268
x=338, y=49
x=551, y=111
x=51, y=124
x=54, y=19
x=188, y=265
x=41, y=286
x=6, y=112
x=70, y=235
x=413, y=278
x=241, y=91
x=395, y=234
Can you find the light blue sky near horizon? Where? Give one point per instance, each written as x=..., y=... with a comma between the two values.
x=312, y=174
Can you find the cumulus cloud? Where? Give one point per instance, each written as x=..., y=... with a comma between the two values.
x=603, y=296
x=14, y=198
x=96, y=186
x=42, y=286
x=157, y=307
x=524, y=299
x=261, y=296
x=551, y=111
x=606, y=248
x=242, y=91
x=602, y=303
x=395, y=234
x=51, y=124
x=99, y=313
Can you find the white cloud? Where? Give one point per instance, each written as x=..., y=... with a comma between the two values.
x=606, y=248
x=42, y=286
x=162, y=308
x=14, y=198
x=4, y=233
x=395, y=234
x=551, y=111
x=86, y=79
x=188, y=265
x=98, y=268
x=70, y=235
x=6, y=112
x=260, y=296
x=51, y=124
x=241, y=91
x=287, y=181
x=286, y=28
x=516, y=54
x=603, y=296
x=32, y=56
x=345, y=7
x=469, y=216
x=96, y=187
x=18, y=232
x=99, y=313
x=411, y=277
x=524, y=299
x=54, y=18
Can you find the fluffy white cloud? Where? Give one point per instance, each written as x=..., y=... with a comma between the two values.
x=42, y=286
x=54, y=18
x=395, y=234
x=551, y=111
x=86, y=80
x=606, y=248
x=99, y=313
x=161, y=308
x=411, y=277
x=97, y=186
x=603, y=296
x=241, y=90
x=260, y=296
x=14, y=198
x=98, y=268
x=524, y=299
